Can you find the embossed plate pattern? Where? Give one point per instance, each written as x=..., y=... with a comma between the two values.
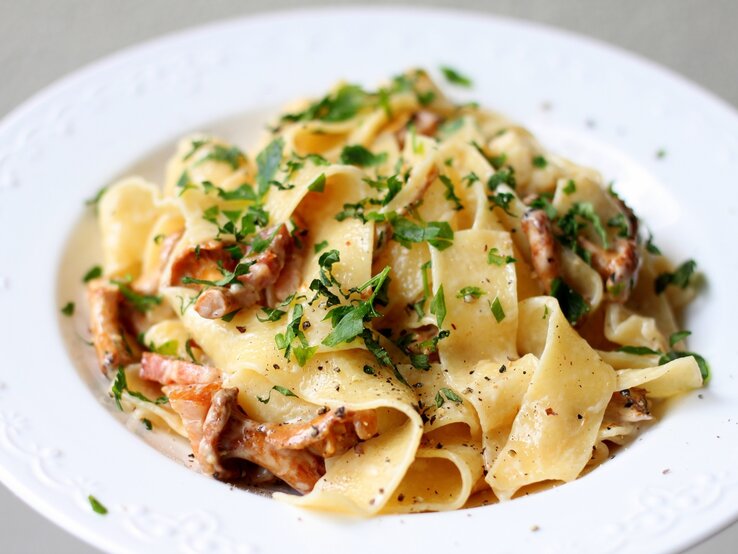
x=59, y=437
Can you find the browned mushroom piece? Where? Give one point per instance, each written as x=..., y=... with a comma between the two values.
x=211, y=260
x=114, y=344
x=544, y=257
x=628, y=406
x=149, y=283
x=329, y=434
x=617, y=267
x=168, y=370
x=220, y=434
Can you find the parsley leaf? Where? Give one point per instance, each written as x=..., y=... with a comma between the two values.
x=92, y=273
x=473, y=292
x=436, y=233
x=495, y=258
x=318, y=184
x=651, y=247
x=68, y=309
x=502, y=200
x=338, y=106
x=454, y=77
x=168, y=348
x=95, y=200
x=141, y=302
x=570, y=187
x=680, y=278
x=267, y=163
x=621, y=223
x=701, y=362
x=540, y=162
x=497, y=310
x=97, y=506
x=322, y=245
x=120, y=385
x=638, y=350
x=678, y=337
x=281, y=390
x=570, y=225
x=450, y=195
x=438, y=306
x=449, y=394
x=356, y=154
x=571, y=302
x=195, y=145
x=503, y=176
x=391, y=184
x=229, y=155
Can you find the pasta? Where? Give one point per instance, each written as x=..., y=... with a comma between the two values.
x=398, y=304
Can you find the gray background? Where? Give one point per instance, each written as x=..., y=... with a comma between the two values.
x=41, y=40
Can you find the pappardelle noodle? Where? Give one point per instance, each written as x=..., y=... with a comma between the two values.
x=394, y=304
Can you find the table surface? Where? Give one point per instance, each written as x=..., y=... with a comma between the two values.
x=45, y=39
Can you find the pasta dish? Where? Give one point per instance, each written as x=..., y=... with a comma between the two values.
x=396, y=303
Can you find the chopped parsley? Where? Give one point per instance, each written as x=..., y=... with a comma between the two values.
x=638, y=350
x=168, y=348
x=392, y=185
x=95, y=200
x=450, y=195
x=660, y=154
x=97, y=506
x=281, y=390
x=340, y=105
x=293, y=340
x=621, y=223
x=195, y=145
x=449, y=394
x=503, y=176
x=571, y=224
x=141, y=302
x=502, y=200
x=267, y=163
x=543, y=202
x=229, y=277
x=540, y=162
x=651, y=247
x=348, y=320
x=572, y=303
x=438, y=306
x=679, y=278
x=495, y=258
x=419, y=306
x=369, y=370
x=671, y=355
x=454, y=77
x=318, y=184
x=229, y=155
x=436, y=233
x=470, y=292
x=120, y=385
x=188, y=349
x=678, y=337
x=570, y=187
x=322, y=245
x=68, y=309
x=272, y=314
x=497, y=310
x=93, y=273
x=356, y=154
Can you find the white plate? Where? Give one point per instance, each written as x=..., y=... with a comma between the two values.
x=59, y=437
